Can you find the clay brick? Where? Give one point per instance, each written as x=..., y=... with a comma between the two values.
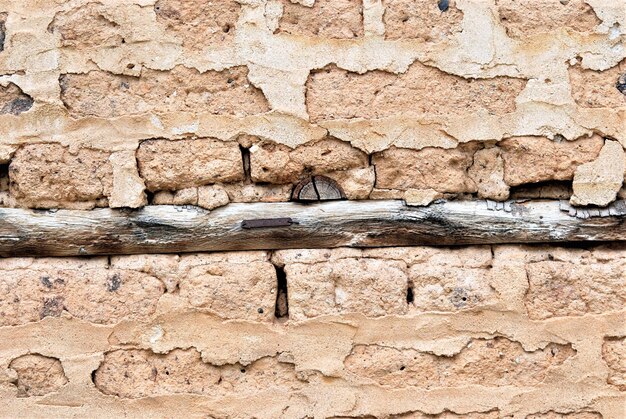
x=614, y=355
x=573, y=289
x=327, y=18
x=87, y=26
x=138, y=373
x=50, y=175
x=178, y=164
x=445, y=288
x=13, y=100
x=421, y=19
x=199, y=24
x=38, y=375
x=487, y=362
x=599, y=89
x=487, y=172
x=574, y=415
x=539, y=159
x=275, y=163
x=243, y=286
x=83, y=288
x=240, y=192
x=370, y=287
x=422, y=91
x=430, y=168
x=523, y=19
x=106, y=95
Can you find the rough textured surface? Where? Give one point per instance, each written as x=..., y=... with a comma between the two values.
x=52, y=176
x=171, y=165
x=593, y=89
x=441, y=170
x=333, y=93
x=614, y=354
x=531, y=18
x=489, y=362
x=241, y=287
x=487, y=172
x=564, y=288
x=599, y=181
x=422, y=19
x=199, y=25
x=537, y=159
x=106, y=95
x=136, y=373
x=325, y=18
x=345, y=286
x=481, y=331
x=33, y=289
x=90, y=26
x=37, y=375
x=13, y=100
x=274, y=163
x=125, y=103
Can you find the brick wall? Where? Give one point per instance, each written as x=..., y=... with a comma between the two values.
x=483, y=331
x=128, y=103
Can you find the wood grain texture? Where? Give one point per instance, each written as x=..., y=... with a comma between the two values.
x=173, y=229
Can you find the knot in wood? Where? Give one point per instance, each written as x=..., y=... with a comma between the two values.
x=317, y=188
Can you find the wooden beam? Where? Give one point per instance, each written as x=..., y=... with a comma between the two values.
x=174, y=229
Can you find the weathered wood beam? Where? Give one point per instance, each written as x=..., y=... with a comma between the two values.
x=172, y=229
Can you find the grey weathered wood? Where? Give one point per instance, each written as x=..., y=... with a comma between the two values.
x=172, y=229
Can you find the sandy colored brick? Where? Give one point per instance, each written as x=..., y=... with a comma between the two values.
x=539, y=159
x=599, y=181
x=599, y=89
x=87, y=26
x=199, y=25
x=487, y=172
x=326, y=18
x=370, y=287
x=138, y=373
x=525, y=18
x=106, y=95
x=445, y=288
x=178, y=164
x=444, y=170
x=238, y=288
x=573, y=415
x=212, y=196
x=488, y=362
x=421, y=19
x=37, y=375
x=50, y=175
x=614, y=355
x=572, y=289
x=13, y=100
x=81, y=288
x=355, y=183
x=275, y=163
x=241, y=192
x=420, y=92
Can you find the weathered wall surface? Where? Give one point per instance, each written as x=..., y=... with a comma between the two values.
x=128, y=103
x=479, y=332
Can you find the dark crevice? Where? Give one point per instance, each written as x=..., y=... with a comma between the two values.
x=409, y=293
x=2, y=30
x=93, y=376
x=281, y=310
x=245, y=157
